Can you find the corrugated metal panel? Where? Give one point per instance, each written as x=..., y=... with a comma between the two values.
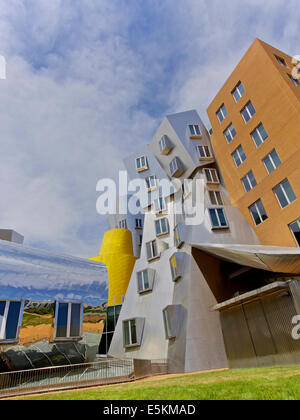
x=238, y=344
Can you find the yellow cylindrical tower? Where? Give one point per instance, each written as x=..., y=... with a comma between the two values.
x=117, y=254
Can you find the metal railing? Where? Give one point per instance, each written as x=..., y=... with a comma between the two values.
x=66, y=377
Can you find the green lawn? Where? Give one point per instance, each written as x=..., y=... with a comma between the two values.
x=280, y=383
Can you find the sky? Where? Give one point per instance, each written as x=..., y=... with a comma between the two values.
x=89, y=81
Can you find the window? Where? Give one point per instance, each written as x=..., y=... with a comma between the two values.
x=195, y=130
x=176, y=266
x=218, y=218
x=152, y=252
x=284, y=193
x=176, y=167
x=145, y=280
x=159, y=204
x=165, y=145
x=204, y=152
x=178, y=242
x=151, y=182
x=295, y=81
x=239, y=156
x=211, y=176
x=161, y=226
x=259, y=135
x=123, y=224
x=295, y=228
x=222, y=113
x=138, y=223
x=215, y=198
x=132, y=332
x=281, y=61
x=68, y=320
x=10, y=313
x=230, y=133
x=248, y=112
x=238, y=92
x=167, y=324
x=141, y=164
x=258, y=212
x=272, y=161
x=249, y=181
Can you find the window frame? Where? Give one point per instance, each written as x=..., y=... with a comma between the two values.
x=149, y=281
x=272, y=161
x=150, y=187
x=248, y=112
x=205, y=149
x=257, y=131
x=159, y=221
x=211, y=171
x=68, y=337
x=258, y=212
x=4, y=321
x=284, y=193
x=237, y=89
x=142, y=167
x=215, y=210
x=152, y=248
x=217, y=201
x=194, y=133
x=220, y=110
x=238, y=152
x=249, y=181
x=293, y=233
x=232, y=137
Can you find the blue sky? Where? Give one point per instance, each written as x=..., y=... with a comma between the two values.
x=88, y=81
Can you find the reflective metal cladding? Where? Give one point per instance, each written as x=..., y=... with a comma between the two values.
x=52, y=308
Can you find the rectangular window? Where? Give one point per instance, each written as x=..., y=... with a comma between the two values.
x=165, y=145
x=211, y=176
x=177, y=240
x=152, y=251
x=230, y=133
x=218, y=218
x=239, y=156
x=68, y=320
x=175, y=269
x=249, y=181
x=272, y=161
x=222, y=113
x=238, y=92
x=143, y=281
x=215, y=198
x=130, y=333
x=161, y=226
x=10, y=312
x=248, y=112
x=123, y=224
x=141, y=163
x=281, y=61
x=258, y=212
x=195, y=130
x=294, y=81
x=151, y=182
x=159, y=204
x=138, y=223
x=284, y=193
x=176, y=167
x=295, y=228
x=204, y=152
x=259, y=135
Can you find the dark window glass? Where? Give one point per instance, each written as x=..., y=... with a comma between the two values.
x=295, y=227
x=62, y=320
x=12, y=320
x=75, y=320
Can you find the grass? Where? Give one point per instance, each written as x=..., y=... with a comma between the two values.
x=277, y=383
x=33, y=320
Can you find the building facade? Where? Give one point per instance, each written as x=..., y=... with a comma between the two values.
x=255, y=119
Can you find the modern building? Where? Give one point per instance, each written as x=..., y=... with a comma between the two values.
x=255, y=119
x=51, y=308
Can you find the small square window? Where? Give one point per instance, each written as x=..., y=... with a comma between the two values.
x=258, y=212
x=281, y=61
x=284, y=193
x=238, y=91
x=222, y=113
x=145, y=280
x=10, y=315
x=272, y=161
x=230, y=133
x=211, y=176
x=195, y=131
x=152, y=251
x=294, y=81
x=141, y=164
x=68, y=320
x=176, y=167
x=161, y=226
x=295, y=228
x=218, y=218
x=204, y=152
x=151, y=182
x=215, y=198
x=239, y=156
x=132, y=332
x=248, y=112
x=249, y=181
